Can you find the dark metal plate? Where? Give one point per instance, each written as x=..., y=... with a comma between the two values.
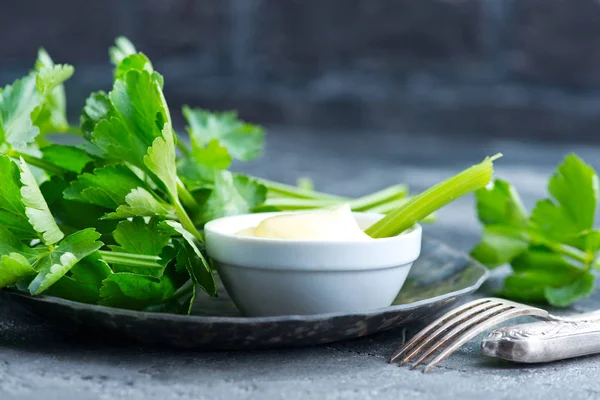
x=437, y=280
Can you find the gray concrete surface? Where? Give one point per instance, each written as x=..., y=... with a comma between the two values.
x=41, y=361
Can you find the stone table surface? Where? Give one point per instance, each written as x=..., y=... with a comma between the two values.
x=40, y=361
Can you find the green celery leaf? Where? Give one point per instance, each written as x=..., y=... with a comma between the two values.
x=135, y=292
x=135, y=236
x=140, y=203
x=547, y=217
x=160, y=160
x=52, y=115
x=73, y=216
x=500, y=205
x=107, y=186
x=167, y=254
x=243, y=141
x=504, y=217
x=138, y=237
x=195, y=266
x=36, y=208
x=499, y=245
x=17, y=104
x=213, y=155
x=198, y=266
x=525, y=286
x=48, y=78
x=231, y=195
x=140, y=113
x=121, y=50
x=195, y=175
x=63, y=257
x=139, y=101
x=571, y=212
x=83, y=282
x=137, y=61
x=9, y=243
x=180, y=305
x=97, y=107
x=12, y=209
x=185, y=295
x=542, y=275
x=566, y=295
x=112, y=138
x=590, y=241
x=198, y=171
x=67, y=157
x=13, y=268
x=544, y=260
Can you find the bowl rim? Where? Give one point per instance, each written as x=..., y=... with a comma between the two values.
x=211, y=228
x=225, y=247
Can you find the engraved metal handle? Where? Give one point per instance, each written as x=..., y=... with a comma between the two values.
x=546, y=341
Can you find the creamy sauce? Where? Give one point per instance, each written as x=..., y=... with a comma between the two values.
x=337, y=224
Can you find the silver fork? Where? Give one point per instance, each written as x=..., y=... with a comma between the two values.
x=460, y=325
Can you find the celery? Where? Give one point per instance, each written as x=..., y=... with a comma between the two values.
x=132, y=260
x=277, y=189
x=434, y=198
x=294, y=204
x=381, y=197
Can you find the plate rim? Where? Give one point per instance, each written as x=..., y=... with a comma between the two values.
x=253, y=320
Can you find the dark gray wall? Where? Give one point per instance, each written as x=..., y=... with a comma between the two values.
x=518, y=68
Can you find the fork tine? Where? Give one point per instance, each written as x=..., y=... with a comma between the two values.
x=450, y=314
x=464, y=317
x=457, y=330
x=483, y=326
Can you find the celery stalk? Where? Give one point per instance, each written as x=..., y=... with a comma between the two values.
x=277, y=189
x=378, y=198
x=386, y=208
x=434, y=198
x=365, y=203
x=132, y=260
x=292, y=204
x=37, y=162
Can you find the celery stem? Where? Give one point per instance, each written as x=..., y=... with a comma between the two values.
x=380, y=197
x=293, y=204
x=186, y=197
x=132, y=260
x=37, y=162
x=573, y=253
x=277, y=189
x=187, y=288
x=182, y=146
x=185, y=220
x=434, y=198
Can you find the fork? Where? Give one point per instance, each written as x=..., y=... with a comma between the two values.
x=458, y=326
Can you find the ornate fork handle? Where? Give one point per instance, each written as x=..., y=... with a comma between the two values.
x=545, y=341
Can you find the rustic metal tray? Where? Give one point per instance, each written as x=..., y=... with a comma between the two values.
x=437, y=280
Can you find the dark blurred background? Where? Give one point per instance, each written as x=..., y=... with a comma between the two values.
x=526, y=69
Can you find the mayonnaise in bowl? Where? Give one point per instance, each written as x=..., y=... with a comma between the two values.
x=334, y=225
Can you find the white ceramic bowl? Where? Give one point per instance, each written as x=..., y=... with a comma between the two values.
x=269, y=277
